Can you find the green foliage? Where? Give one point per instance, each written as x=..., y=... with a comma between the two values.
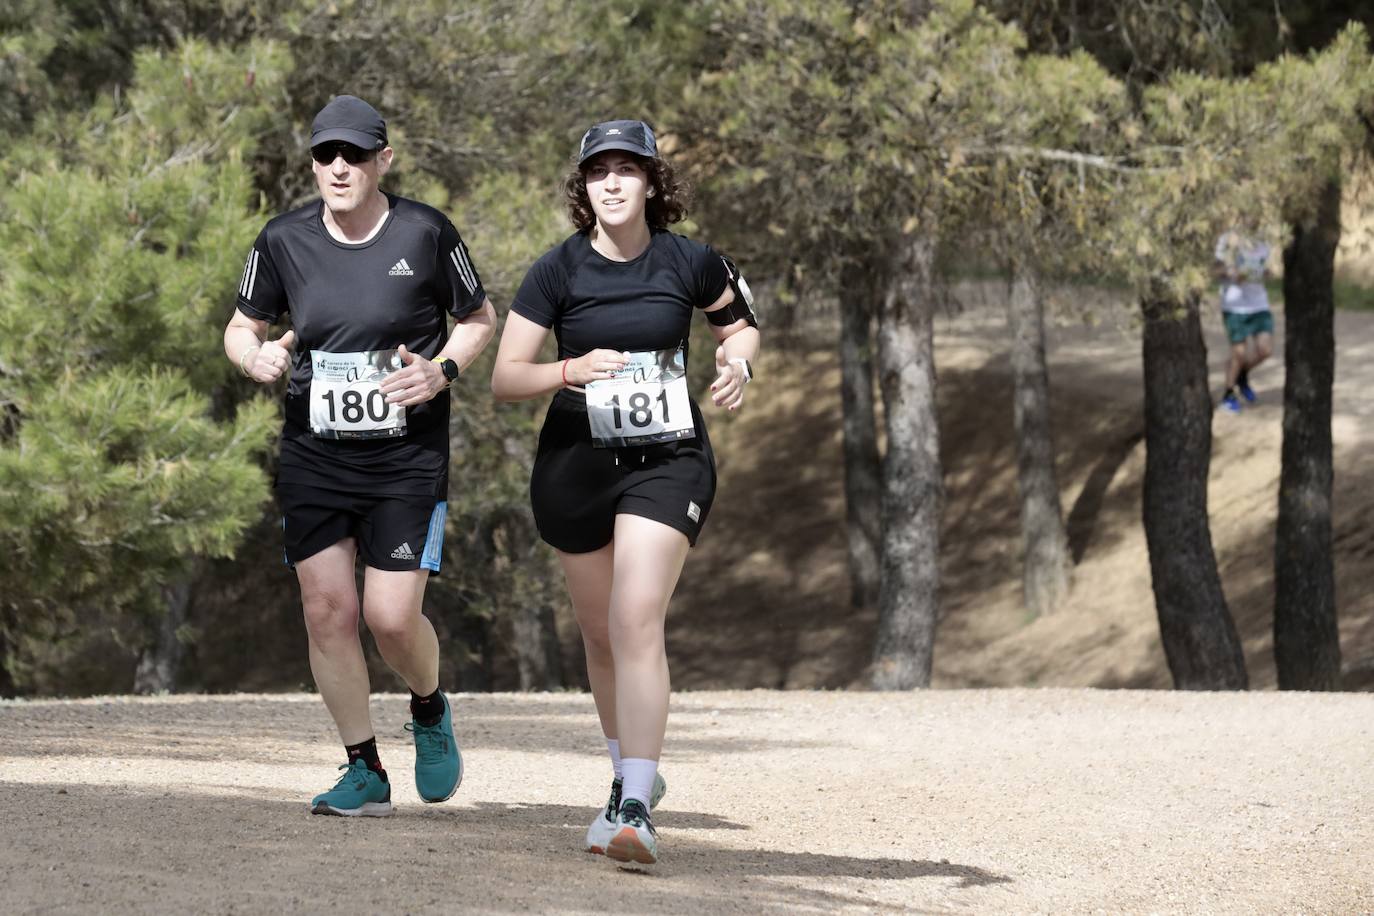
x=122, y=458
x=1352, y=295
x=116, y=477
x=1217, y=153
x=826, y=129
x=28, y=36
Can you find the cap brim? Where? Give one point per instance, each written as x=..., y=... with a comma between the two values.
x=616, y=144
x=343, y=134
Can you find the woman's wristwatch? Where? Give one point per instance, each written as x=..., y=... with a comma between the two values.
x=748, y=369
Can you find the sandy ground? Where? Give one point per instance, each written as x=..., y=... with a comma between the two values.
x=1053, y=801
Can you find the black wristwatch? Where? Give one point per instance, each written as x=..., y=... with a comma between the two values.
x=448, y=367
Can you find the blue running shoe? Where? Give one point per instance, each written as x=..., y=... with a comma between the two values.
x=359, y=793
x=1230, y=402
x=438, y=762
x=1248, y=393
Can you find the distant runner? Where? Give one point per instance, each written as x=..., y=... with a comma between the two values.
x=1242, y=265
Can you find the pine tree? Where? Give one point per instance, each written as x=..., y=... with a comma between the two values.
x=125, y=453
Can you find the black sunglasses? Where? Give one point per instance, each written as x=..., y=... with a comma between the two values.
x=325, y=153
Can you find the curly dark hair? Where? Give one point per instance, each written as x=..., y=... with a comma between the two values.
x=671, y=198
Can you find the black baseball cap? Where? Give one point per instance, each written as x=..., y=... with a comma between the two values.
x=351, y=120
x=631, y=136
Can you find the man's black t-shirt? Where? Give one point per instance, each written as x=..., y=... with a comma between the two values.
x=399, y=287
x=644, y=304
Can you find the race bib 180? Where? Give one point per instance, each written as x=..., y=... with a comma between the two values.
x=345, y=400
x=646, y=402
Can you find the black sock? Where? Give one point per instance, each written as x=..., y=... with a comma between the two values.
x=368, y=752
x=1243, y=380
x=427, y=710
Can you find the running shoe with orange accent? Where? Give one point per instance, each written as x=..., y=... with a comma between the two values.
x=635, y=838
x=603, y=828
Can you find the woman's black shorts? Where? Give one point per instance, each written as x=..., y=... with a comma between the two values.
x=577, y=490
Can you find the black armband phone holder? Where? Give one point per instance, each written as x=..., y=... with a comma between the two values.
x=741, y=308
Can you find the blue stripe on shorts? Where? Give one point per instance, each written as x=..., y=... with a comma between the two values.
x=434, y=540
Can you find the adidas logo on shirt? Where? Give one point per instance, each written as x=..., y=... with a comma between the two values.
x=400, y=269
x=403, y=552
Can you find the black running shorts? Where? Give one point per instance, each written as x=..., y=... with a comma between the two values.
x=393, y=532
x=576, y=490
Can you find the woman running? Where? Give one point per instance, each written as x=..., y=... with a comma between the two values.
x=624, y=476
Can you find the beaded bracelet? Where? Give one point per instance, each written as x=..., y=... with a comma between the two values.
x=243, y=371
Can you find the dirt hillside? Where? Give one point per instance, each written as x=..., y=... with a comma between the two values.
x=777, y=525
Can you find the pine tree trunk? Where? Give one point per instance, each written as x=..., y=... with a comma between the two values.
x=8, y=688
x=862, y=469
x=1045, y=577
x=472, y=634
x=160, y=660
x=538, y=658
x=1307, y=644
x=913, y=488
x=1199, y=636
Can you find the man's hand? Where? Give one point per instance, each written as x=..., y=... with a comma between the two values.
x=270, y=359
x=418, y=382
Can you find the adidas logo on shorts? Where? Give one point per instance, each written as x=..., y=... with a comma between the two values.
x=400, y=269
x=403, y=552
x=694, y=511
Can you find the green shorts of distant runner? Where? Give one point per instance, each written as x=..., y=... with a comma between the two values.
x=1240, y=328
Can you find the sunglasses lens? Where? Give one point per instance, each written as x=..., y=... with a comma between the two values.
x=351, y=154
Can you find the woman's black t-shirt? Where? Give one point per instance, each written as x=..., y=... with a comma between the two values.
x=646, y=303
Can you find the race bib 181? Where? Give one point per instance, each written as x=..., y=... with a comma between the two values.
x=345, y=400
x=646, y=402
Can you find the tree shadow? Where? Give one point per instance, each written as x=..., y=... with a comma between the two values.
x=1087, y=508
x=299, y=728
x=209, y=853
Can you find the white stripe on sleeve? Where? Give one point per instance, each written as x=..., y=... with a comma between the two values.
x=467, y=260
x=467, y=264
x=252, y=277
x=247, y=264
x=463, y=274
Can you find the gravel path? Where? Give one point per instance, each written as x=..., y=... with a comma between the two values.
x=972, y=801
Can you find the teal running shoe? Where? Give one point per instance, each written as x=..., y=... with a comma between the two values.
x=438, y=762
x=602, y=829
x=359, y=793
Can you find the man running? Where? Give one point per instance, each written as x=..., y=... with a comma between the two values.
x=369, y=280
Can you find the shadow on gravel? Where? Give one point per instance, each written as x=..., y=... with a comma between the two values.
x=188, y=731
x=136, y=850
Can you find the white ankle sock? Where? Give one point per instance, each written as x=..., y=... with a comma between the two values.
x=639, y=779
x=613, y=745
